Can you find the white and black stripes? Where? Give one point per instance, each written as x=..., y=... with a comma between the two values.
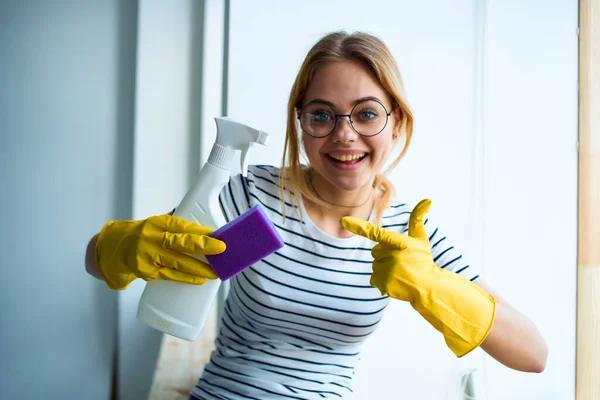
x=295, y=322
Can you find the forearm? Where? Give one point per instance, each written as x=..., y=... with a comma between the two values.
x=500, y=330
x=515, y=341
x=90, y=259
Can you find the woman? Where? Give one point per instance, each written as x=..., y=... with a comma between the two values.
x=295, y=322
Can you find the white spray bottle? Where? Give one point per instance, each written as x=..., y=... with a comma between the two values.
x=181, y=309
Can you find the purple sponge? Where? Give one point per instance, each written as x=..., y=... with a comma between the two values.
x=249, y=238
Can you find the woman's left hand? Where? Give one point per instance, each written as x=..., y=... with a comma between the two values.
x=401, y=262
x=403, y=268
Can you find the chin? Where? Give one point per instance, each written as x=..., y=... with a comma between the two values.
x=347, y=183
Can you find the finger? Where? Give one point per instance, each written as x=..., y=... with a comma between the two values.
x=178, y=276
x=381, y=251
x=193, y=244
x=372, y=231
x=179, y=225
x=186, y=264
x=416, y=222
x=378, y=283
x=381, y=275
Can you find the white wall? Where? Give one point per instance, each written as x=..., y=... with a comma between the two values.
x=530, y=231
x=494, y=94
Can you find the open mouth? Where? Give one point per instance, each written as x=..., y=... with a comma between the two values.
x=347, y=159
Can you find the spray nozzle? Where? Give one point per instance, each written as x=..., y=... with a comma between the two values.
x=237, y=136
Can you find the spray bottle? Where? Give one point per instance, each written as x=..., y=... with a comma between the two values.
x=181, y=309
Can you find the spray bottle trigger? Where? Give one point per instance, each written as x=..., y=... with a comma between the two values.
x=244, y=158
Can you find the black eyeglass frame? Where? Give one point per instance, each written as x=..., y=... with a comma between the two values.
x=338, y=116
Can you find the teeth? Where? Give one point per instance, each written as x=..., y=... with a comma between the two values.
x=347, y=157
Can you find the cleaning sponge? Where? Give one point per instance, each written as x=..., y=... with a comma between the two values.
x=249, y=238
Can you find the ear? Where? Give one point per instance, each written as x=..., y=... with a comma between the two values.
x=397, y=113
x=397, y=116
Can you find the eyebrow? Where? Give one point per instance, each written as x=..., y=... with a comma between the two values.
x=330, y=104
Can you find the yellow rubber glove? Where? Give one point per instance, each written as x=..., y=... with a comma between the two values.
x=403, y=268
x=155, y=248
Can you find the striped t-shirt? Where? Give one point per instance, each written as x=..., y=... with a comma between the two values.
x=294, y=323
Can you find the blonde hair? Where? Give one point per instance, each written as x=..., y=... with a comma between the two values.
x=371, y=52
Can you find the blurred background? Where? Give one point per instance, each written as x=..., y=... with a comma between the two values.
x=106, y=112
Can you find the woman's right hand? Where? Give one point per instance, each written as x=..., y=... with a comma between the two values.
x=160, y=247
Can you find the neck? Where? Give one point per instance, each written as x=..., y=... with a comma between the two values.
x=357, y=202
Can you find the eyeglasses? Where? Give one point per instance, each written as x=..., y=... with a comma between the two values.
x=367, y=118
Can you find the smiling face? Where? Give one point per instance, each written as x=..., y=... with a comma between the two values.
x=345, y=161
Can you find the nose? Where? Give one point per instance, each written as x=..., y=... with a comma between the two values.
x=343, y=131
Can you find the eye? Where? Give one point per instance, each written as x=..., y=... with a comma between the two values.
x=320, y=116
x=367, y=115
